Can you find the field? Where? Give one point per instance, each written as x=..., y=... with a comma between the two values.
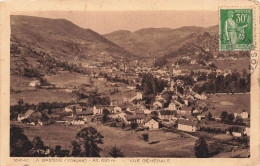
x=36, y=96
x=230, y=102
x=20, y=83
x=65, y=78
x=167, y=144
x=239, y=64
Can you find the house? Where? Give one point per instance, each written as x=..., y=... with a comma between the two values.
x=121, y=116
x=128, y=107
x=186, y=102
x=86, y=113
x=184, y=110
x=244, y=115
x=157, y=105
x=116, y=110
x=176, y=72
x=102, y=79
x=25, y=116
x=131, y=87
x=139, y=119
x=139, y=96
x=113, y=103
x=97, y=110
x=72, y=107
x=201, y=96
x=44, y=120
x=190, y=97
x=174, y=97
x=160, y=98
x=77, y=122
x=236, y=134
x=247, y=130
x=167, y=115
x=34, y=83
x=187, y=125
x=108, y=109
x=195, y=112
x=147, y=111
x=171, y=106
x=193, y=62
x=151, y=124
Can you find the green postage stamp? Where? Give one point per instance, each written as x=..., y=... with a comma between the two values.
x=236, y=29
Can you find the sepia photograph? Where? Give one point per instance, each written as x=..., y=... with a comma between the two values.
x=130, y=84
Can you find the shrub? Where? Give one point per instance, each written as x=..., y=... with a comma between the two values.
x=145, y=137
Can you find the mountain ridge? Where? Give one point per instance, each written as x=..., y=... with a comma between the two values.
x=42, y=46
x=152, y=41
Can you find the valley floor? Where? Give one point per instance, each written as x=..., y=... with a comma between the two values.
x=161, y=143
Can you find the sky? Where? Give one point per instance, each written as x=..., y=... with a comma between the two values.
x=105, y=22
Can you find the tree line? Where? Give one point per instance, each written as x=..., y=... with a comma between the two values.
x=151, y=84
x=231, y=83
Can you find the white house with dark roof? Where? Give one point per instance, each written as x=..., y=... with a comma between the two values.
x=187, y=125
x=151, y=124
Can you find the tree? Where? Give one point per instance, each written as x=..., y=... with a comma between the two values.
x=201, y=148
x=106, y=111
x=116, y=152
x=58, y=150
x=76, y=151
x=89, y=137
x=123, y=125
x=134, y=125
x=224, y=116
x=19, y=143
x=209, y=116
x=231, y=117
x=145, y=136
x=74, y=112
x=239, y=119
x=104, y=118
x=20, y=102
x=38, y=143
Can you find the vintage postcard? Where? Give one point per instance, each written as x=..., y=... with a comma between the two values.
x=147, y=82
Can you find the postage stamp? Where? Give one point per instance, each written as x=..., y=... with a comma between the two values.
x=236, y=29
x=141, y=82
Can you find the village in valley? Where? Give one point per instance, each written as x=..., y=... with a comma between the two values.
x=155, y=106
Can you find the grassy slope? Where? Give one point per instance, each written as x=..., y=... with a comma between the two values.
x=170, y=145
x=239, y=64
x=36, y=96
x=240, y=102
x=68, y=78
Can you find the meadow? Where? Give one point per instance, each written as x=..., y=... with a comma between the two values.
x=42, y=95
x=65, y=78
x=167, y=144
x=239, y=64
x=230, y=102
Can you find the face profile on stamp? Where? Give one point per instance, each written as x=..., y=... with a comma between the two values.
x=236, y=29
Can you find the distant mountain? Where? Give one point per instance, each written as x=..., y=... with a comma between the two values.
x=153, y=41
x=33, y=38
